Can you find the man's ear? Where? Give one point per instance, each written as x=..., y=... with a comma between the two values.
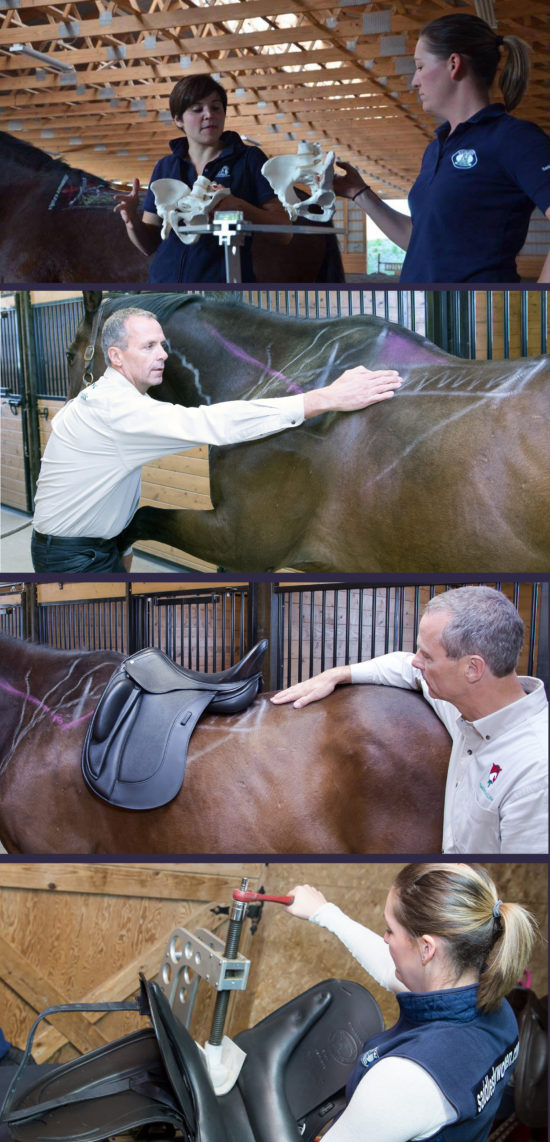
x=475, y=667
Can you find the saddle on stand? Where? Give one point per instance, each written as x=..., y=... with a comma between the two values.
x=293, y=1078
x=135, y=750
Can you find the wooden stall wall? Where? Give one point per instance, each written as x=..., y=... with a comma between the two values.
x=83, y=932
x=297, y=954
x=12, y=473
x=74, y=933
x=335, y=627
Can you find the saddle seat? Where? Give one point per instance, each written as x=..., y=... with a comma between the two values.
x=135, y=750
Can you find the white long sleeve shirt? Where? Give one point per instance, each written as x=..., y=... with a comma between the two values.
x=397, y=1100
x=90, y=478
x=496, y=796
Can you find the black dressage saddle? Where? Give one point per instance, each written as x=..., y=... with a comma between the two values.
x=292, y=1081
x=135, y=750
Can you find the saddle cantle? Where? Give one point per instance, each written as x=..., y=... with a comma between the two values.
x=135, y=750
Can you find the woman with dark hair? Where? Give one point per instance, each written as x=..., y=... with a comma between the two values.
x=198, y=106
x=482, y=175
x=451, y=951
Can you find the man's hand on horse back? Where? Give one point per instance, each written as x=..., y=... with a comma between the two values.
x=355, y=389
x=313, y=689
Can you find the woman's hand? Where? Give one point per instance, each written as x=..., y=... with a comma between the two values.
x=128, y=205
x=143, y=230
x=307, y=901
x=349, y=184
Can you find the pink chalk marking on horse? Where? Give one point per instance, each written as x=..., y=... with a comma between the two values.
x=56, y=718
x=243, y=356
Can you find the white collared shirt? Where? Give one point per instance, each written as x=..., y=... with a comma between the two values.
x=90, y=477
x=496, y=797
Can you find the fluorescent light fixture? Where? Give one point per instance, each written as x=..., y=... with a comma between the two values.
x=42, y=57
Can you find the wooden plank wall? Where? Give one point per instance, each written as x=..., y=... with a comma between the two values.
x=82, y=932
x=296, y=955
x=12, y=473
x=333, y=619
x=535, y=299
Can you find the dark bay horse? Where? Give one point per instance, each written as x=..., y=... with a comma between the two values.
x=58, y=226
x=452, y=474
x=362, y=772
x=58, y=223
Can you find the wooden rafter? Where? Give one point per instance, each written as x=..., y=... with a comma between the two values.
x=336, y=73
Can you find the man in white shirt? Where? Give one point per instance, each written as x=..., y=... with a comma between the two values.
x=469, y=640
x=90, y=478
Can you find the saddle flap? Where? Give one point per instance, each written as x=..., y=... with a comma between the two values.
x=135, y=749
x=184, y=1066
x=141, y=764
x=106, y=1092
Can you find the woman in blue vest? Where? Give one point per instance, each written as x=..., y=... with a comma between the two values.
x=450, y=952
x=198, y=107
x=482, y=175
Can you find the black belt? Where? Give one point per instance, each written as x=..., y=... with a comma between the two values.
x=73, y=540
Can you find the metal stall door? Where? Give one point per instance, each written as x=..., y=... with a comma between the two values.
x=205, y=630
x=326, y=625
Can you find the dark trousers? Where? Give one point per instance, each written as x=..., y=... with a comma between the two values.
x=68, y=553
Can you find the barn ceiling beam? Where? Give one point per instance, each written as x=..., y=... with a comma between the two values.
x=336, y=73
x=157, y=21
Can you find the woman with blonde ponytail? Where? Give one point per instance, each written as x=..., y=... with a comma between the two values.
x=485, y=171
x=451, y=951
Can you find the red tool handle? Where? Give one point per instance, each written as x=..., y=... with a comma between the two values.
x=248, y=897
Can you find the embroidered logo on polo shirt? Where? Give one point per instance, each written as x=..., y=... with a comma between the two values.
x=224, y=173
x=464, y=160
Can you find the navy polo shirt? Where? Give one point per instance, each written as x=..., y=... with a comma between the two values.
x=472, y=201
x=239, y=168
x=471, y=1054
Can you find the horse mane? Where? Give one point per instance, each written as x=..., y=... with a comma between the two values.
x=30, y=157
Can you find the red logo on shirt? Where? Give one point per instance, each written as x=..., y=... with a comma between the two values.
x=496, y=769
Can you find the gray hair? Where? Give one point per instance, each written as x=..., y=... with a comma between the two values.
x=483, y=622
x=114, y=331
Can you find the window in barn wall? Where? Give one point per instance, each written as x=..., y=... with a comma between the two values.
x=383, y=256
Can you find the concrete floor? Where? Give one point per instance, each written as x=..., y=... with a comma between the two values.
x=15, y=547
